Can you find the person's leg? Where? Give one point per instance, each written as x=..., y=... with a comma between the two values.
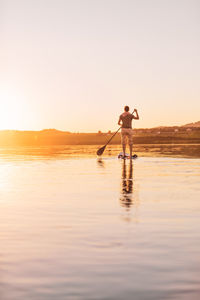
x=130, y=137
x=124, y=149
x=131, y=148
x=123, y=139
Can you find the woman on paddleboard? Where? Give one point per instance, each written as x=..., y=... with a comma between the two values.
x=125, y=121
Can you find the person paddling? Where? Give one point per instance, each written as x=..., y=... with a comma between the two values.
x=125, y=121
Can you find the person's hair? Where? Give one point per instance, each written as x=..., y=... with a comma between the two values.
x=126, y=108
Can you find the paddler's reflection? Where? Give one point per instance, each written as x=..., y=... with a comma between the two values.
x=127, y=185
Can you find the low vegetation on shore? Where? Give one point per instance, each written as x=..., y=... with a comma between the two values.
x=159, y=135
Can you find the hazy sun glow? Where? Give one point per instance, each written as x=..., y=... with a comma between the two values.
x=75, y=65
x=11, y=110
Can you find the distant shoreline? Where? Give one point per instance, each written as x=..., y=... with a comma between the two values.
x=162, y=135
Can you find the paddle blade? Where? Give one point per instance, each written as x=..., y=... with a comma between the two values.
x=101, y=150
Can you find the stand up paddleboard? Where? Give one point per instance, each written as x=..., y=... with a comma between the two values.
x=127, y=156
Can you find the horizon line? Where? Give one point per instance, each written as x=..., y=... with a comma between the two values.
x=67, y=131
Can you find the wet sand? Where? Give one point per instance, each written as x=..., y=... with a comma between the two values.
x=77, y=227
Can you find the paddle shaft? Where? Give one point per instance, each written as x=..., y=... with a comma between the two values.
x=112, y=136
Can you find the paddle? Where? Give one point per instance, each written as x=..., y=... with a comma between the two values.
x=101, y=150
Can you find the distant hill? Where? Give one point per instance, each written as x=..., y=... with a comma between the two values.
x=51, y=130
x=195, y=124
x=189, y=133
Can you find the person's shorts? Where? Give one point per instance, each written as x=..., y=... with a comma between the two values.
x=127, y=133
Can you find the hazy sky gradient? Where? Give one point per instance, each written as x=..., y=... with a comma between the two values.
x=73, y=65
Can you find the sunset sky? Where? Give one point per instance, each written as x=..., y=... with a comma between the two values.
x=73, y=64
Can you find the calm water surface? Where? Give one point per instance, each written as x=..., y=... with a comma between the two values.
x=75, y=227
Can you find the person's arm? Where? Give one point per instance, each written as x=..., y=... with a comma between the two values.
x=137, y=116
x=119, y=122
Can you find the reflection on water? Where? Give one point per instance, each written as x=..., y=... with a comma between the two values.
x=72, y=226
x=101, y=162
x=129, y=199
x=127, y=184
x=67, y=151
